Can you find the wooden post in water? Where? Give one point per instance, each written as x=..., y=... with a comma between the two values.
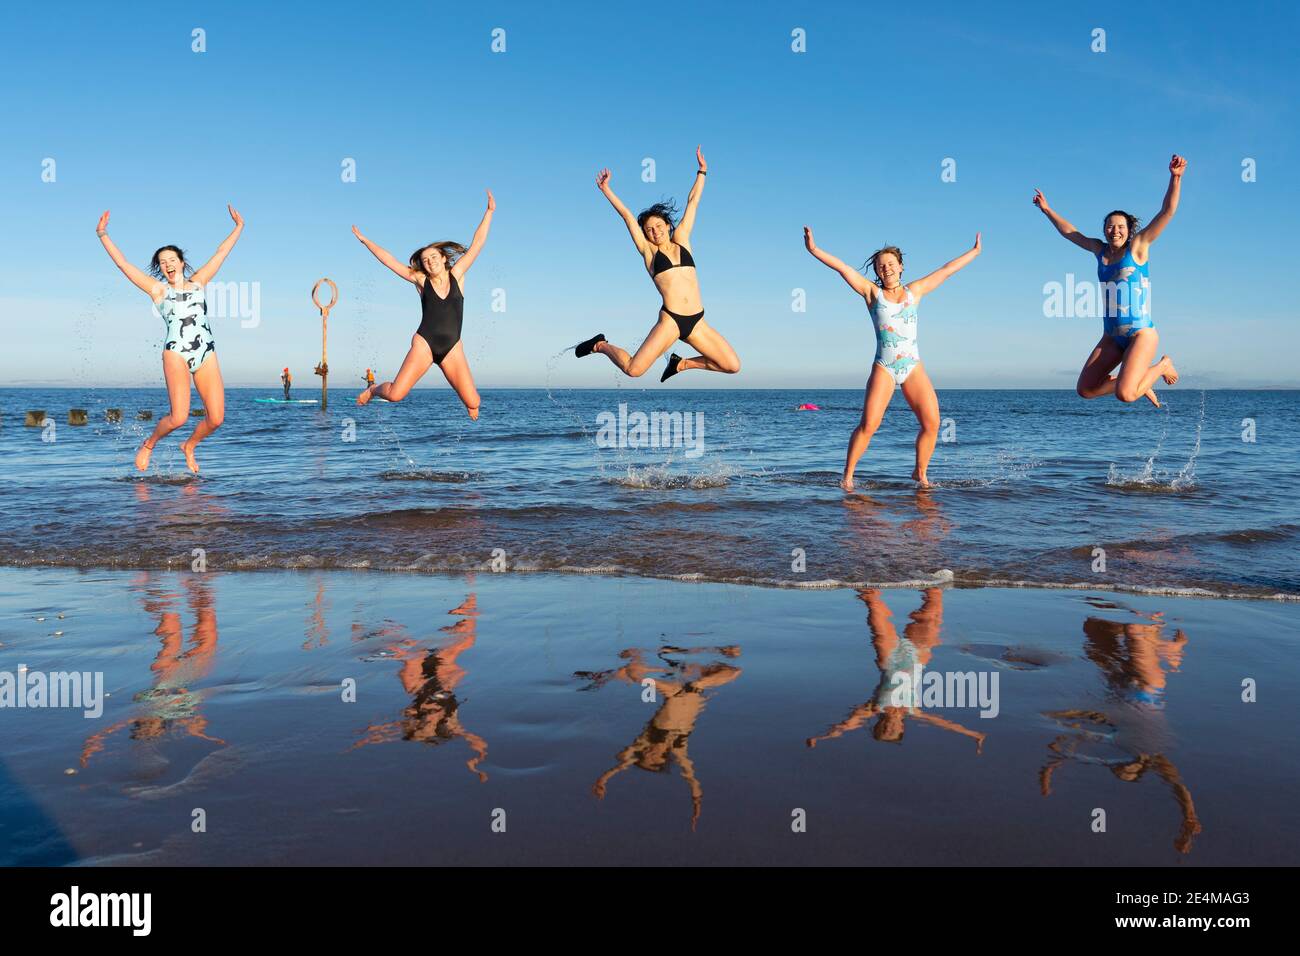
x=323, y=369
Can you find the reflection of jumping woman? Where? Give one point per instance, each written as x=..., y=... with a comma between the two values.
x=188, y=349
x=898, y=363
x=1129, y=339
x=438, y=272
x=660, y=243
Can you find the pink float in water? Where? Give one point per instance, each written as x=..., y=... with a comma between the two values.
x=808, y=407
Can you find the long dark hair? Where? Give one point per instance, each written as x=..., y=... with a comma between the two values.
x=450, y=250
x=665, y=210
x=155, y=270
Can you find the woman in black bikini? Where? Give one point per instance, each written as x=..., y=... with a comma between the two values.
x=438, y=271
x=659, y=241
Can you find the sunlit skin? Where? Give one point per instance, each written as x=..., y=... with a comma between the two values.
x=1137, y=374
x=433, y=269
x=171, y=703
x=924, y=634
x=1132, y=657
x=207, y=377
x=917, y=389
x=430, y=677
x=679, y=289
x=681, y=687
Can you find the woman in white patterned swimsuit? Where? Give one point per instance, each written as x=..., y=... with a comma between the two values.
x=188, y=349
x=898, y=364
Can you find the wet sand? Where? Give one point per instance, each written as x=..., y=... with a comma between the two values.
x=518, y=699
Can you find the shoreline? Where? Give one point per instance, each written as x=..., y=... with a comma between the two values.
x=942, y=579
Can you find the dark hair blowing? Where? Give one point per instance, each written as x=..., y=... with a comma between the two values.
x=666, y=210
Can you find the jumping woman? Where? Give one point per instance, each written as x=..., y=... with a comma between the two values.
x=1129, y=339
x=665, y=247
x=188, y=350
x=438, y=272
x=898, y=364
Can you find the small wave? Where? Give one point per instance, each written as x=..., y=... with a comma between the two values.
x=659, y=478
x=159, y=478
x=428, y=474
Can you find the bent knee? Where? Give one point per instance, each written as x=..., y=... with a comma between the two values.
x=636, y=369
x=215, y=419
x=731, y=367
x=1127, y=394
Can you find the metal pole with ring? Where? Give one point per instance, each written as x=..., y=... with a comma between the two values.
x=323, y=369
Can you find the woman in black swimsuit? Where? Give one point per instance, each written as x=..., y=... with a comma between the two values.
x=682, y=313
x=438, y=271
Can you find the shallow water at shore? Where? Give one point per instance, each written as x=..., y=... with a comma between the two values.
x=1029, y=486
x=522, y=700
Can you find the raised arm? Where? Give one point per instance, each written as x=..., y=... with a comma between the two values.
x=860, y=283
x=940, y=275
x=386, y=257
x=476, y=244
x=204, y=275
x=142, y=280
x=1167, y=209
x=1065, y=227
x=682, y=234
x=634, y=230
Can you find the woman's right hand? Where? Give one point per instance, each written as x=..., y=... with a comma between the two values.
x=1040, y=200
x=808, y=240
x=357, y=232
x=102, y=228
x=602, y=180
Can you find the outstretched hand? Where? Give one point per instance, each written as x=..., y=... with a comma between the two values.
x=1040, y=200
x=1176, y=166
x=102, y=227
x=239, y=220
x=602, y=179
x=809, y=243
x=357, y=232
x=699, y=158
x=977, y=243
x=492, y=203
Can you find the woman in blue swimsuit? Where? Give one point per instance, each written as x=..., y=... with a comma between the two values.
x=898, y=363
x=1129, y=339
x=188, y=350
x=659, y=240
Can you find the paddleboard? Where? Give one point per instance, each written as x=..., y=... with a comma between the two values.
x=291, y=401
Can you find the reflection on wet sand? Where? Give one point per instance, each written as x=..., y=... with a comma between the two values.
x=1134, y=659
x=681, y=686
x=906, y=655
x=170, y=704
x=430, y=676
x=875, y=530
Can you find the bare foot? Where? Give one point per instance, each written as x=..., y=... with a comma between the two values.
x=1151, y=396
x=366, y=395
x=142, y=457
x=473, y=413
x=920, y=478
x=188, y=449
x=1171, y=374
x=847, y=482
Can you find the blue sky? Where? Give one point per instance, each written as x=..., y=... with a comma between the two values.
x=848, y=137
